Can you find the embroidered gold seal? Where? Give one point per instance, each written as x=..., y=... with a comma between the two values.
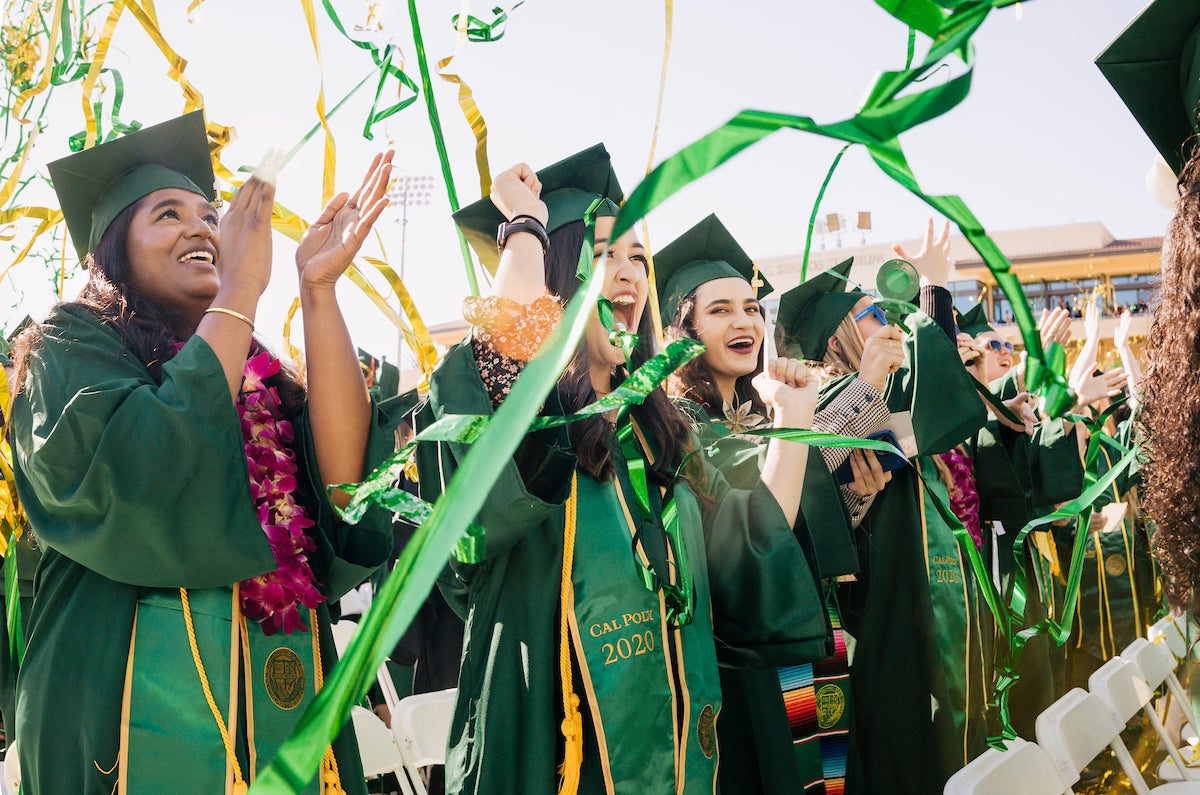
x=284, y=678
x=705, y=731
x=831, y=703
x=1115, y=564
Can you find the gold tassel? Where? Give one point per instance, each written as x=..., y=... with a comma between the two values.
x=572, y=724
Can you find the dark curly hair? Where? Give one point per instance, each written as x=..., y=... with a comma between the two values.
x=150, y=331
x=1170, y=415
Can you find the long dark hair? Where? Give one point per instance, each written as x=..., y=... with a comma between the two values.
x=1170, y=411
x=694, y=380
x=657, y=417
x=150, y=331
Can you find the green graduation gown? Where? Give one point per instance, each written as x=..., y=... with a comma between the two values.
x=649, y=706
x=134, y=490
x=756, y=738
x=1017, y=474
x=914, y=609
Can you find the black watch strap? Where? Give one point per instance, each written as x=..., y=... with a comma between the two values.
x=524, y=223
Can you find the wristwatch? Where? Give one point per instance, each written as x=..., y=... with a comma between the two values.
x=522, y=223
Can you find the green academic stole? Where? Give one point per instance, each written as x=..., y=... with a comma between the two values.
x=957, y=678
x=167, y=720
x=652, y=690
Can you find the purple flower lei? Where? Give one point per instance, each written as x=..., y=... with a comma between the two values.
x=274, y=599
x=964, y=495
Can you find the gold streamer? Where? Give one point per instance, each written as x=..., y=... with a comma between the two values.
x=470, y=109
x=421, y=343
x=44, y=83
x=655, y=317
x=147, y=17
x=47, y=218
x=10, y=184
x=294, y=353
x=330, y=147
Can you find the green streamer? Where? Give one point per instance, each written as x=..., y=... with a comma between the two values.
x=877, y=125
x=384, y=63
x=482, y=32
x=12, y=607
x=812, y=218
x=439, y=141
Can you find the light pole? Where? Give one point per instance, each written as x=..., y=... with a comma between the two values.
x=408, y=191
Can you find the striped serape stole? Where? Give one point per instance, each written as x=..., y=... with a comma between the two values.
x=817, y=699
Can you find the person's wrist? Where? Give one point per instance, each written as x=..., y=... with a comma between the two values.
x=533, y=209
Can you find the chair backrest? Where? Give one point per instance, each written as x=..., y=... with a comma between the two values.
x=343, y=633
x=1153, y=660
x=421, y=726
x=1023, y=769
x=12, y=769
x=1074, y=730
x=1121, y=686
x=375, y=744
x=1168, y=630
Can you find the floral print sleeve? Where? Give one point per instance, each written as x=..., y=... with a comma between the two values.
x=505, y=335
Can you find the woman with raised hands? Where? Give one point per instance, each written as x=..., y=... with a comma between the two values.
x=174, y=475
x=596, y=621
x=776, y=734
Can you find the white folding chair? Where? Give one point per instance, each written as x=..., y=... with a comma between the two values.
x=1157, y=659
x=12, y=769
x=1120, y=685
x=343, y=633
x=1024, y=768
x=375, y=744
x=1074, y=730
x=421, y=727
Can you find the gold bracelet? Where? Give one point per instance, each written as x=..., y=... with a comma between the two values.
x=222, y=310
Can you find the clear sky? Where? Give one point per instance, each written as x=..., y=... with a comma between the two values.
x=1040, y=140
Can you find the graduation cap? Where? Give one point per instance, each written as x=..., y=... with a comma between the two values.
x=808, y=315
x=379, y=373
x=702, y=254
x=95, y=185
x=568, y=188
x=1154, y=65
x=974, y=321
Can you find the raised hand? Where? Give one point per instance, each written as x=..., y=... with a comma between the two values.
x=1023, y=407
x=787, y=386
x=517, y=191
x=1121, y=332
x=1055, y=326
x=883, y=353
x=933, y=260
x=972, y=357
x=331, y=243
x=1091, y=321
x=1092, y=388
x=244, y=264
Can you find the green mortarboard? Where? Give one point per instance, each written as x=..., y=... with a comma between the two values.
x=808, y=315
x=1154, y=65
x=568, y=188
x=974, y=321
x=703, y=253
x=95, y=185
x=380, y=373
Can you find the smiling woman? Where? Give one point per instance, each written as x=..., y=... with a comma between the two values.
x=174, y=475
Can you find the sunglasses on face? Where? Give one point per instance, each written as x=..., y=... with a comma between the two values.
x=998, y=346
x=872, y=310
